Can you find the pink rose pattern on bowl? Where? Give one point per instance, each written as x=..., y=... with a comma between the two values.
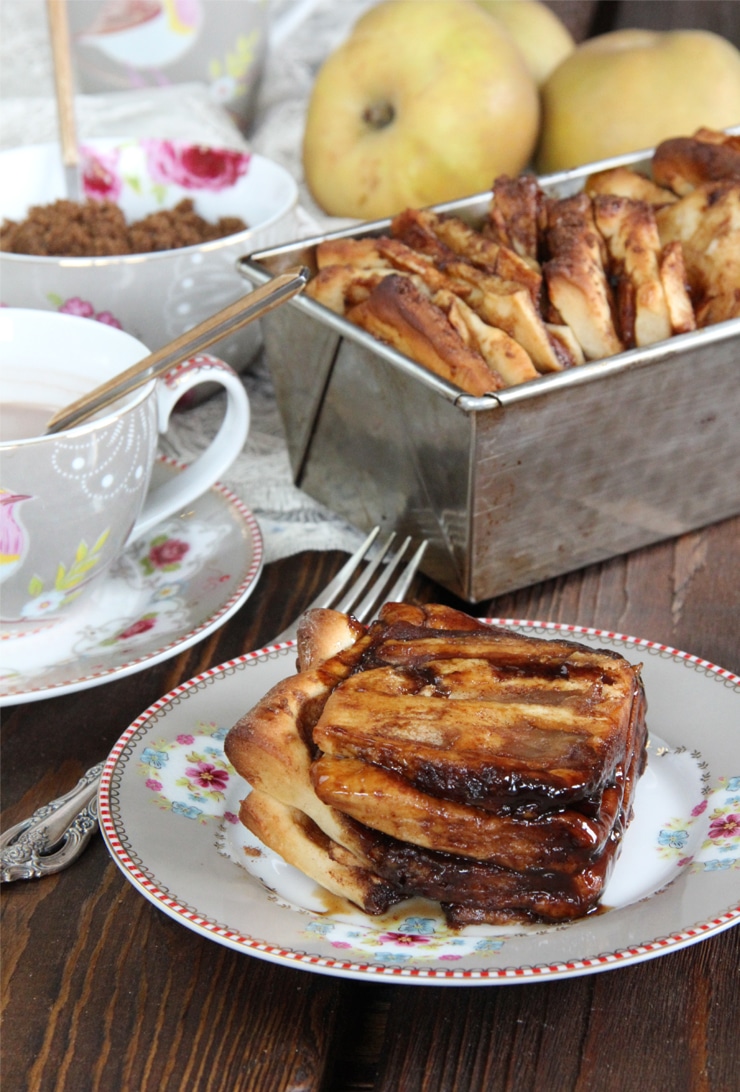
x=193, y=166
x=168, y=163
x=160, y=297
x=84, y=309
x=99, y=172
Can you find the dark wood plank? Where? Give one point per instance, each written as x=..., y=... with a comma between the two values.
x=669, y=1025
x=102, y=990
x=682, y=592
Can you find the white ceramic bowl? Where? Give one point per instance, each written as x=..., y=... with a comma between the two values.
x=155, y=297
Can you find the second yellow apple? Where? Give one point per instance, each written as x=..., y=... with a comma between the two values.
x=630, y=89
x=542, y=37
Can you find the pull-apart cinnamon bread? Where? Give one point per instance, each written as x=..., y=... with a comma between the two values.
x=432, y=755
x=544, y=284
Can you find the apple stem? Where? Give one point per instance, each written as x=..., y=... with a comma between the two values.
x=379, y=115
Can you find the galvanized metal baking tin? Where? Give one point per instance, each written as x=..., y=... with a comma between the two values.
x=511, y=489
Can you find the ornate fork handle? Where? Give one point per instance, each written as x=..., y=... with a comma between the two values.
x=54, y=835
x=58, y=832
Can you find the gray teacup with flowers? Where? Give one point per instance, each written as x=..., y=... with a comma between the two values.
x=72, y=501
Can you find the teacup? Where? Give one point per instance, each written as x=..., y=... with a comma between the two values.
x=72, y=501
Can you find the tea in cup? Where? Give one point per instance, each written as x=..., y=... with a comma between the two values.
x=72, y=501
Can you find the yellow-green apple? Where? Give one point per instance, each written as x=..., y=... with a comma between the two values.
x=422, y=103
x=630, y=89
x=541, y=35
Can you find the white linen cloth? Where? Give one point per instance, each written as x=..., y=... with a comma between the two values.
x=290, y=520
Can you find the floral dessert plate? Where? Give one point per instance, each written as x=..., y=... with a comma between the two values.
x=169, y=590
x=169, y=800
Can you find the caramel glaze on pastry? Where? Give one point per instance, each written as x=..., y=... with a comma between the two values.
x=432, y=755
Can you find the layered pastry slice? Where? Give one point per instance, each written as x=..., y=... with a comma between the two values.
x=432, y=755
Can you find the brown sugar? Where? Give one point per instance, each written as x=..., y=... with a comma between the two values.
x=89, y=229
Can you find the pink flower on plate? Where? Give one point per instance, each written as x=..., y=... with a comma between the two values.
x=404, y=938
x=167, y=553
x=142, y=626
x=153, y=784
x=185, y=739
x=100, y=178
x=725, y=826
x=194, y=166
x=208, y=776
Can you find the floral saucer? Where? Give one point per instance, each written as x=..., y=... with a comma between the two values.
x=169, y=803
x=169, y=590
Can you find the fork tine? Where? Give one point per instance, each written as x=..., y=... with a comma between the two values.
x=364, y=610
x=379, y=593
x=343, y=582
x=397, y=593
x=354, y=593
x=336, y=586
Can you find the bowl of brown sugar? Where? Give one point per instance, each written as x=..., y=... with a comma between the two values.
x=151, y=245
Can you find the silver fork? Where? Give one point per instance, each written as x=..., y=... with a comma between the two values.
x=352, y=580
x=56, y=834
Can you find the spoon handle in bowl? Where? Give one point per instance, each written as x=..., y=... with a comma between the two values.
x=64, y=88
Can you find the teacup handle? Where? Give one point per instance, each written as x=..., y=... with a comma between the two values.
x=167, y=499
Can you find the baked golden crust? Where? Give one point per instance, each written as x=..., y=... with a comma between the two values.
x=683, y=163
x=506, y=305
x=674, y=279
x=706, y=225
x=400, y=315
x=516, y=217
x=624, y=182
x=340, y=287
x=503, y=354
x=445, y=238
x=576, y=276
x=644, y=280
x=629, y=262
x=355, y=253
x=289, y=832
x=323, y=634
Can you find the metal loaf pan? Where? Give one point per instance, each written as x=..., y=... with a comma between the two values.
x=511, y=489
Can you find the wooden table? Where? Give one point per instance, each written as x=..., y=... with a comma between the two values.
x=101, y=990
